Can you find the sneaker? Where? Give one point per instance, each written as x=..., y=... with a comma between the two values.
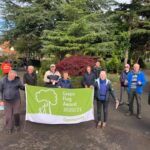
x=139, y=116
x=104, y=125
x=99, y=124
x=129, y=113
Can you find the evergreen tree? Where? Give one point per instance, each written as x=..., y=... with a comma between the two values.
x=83, y=28
x=133, y=28
x=29, y=18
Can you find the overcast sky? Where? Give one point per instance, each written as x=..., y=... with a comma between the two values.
x=124, y=1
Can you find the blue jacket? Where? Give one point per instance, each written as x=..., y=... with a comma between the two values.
x=64, y=83
x=141, y=78
x=109, y=90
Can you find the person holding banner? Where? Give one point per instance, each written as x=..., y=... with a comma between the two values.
x=30, y=76
x=89, y=78
x=9, y=93
x=103, y=89
x=65, y=82
x=52, y=76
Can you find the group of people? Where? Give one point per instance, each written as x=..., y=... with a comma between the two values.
x=132, y=83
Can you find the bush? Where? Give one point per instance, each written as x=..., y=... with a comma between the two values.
x=76, y=81
x=45, y=65
x=114, y=65
x=76, y=65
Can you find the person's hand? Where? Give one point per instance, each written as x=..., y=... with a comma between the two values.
x=139, y=82
x=53, y=82
x=86, y=86
x=91, y=86
x=117, y=104
x=125, y=82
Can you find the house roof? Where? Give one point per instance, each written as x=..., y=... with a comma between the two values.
x=6, y=48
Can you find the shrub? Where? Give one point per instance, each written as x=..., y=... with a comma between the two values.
x=113, y=65
x=76, y=65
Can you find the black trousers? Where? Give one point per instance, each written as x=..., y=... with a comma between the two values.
x=132, y=95
x=102, y=106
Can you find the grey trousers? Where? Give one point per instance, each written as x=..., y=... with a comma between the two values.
x=12, y=113
x=124, y=94
x=132, y=95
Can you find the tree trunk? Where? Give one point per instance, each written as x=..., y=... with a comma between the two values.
x=126, y=57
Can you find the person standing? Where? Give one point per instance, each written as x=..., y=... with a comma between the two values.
x=88, y=78
x=124, y=84
x=136, y=81
x=97, y=69
x=30, y=76
x=52, y=76
x=9, y=92
x=65, y=82
x=103, y=90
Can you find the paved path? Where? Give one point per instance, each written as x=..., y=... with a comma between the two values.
x=122, y=133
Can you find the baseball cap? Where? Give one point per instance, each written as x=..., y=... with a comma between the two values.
x=52, y=65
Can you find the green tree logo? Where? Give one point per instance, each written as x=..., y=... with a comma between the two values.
x=46, y=98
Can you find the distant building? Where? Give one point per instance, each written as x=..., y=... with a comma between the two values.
x=6, y=49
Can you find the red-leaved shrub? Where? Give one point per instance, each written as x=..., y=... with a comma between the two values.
x=76, y=65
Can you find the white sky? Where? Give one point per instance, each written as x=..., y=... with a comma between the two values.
x=124, y=1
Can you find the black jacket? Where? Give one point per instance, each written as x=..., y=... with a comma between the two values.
x=96, y=71
x=30, y=79
x=123, y=77
x=9, y=90
x=89, y=79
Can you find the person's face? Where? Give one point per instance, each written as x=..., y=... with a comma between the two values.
x=88, y=69
x=136, y=68
x=30, y=70
x=126, y=67
x=103, y=75
x=11, y=75
x=65, y=75
x=53, y=68
x=97, y=64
